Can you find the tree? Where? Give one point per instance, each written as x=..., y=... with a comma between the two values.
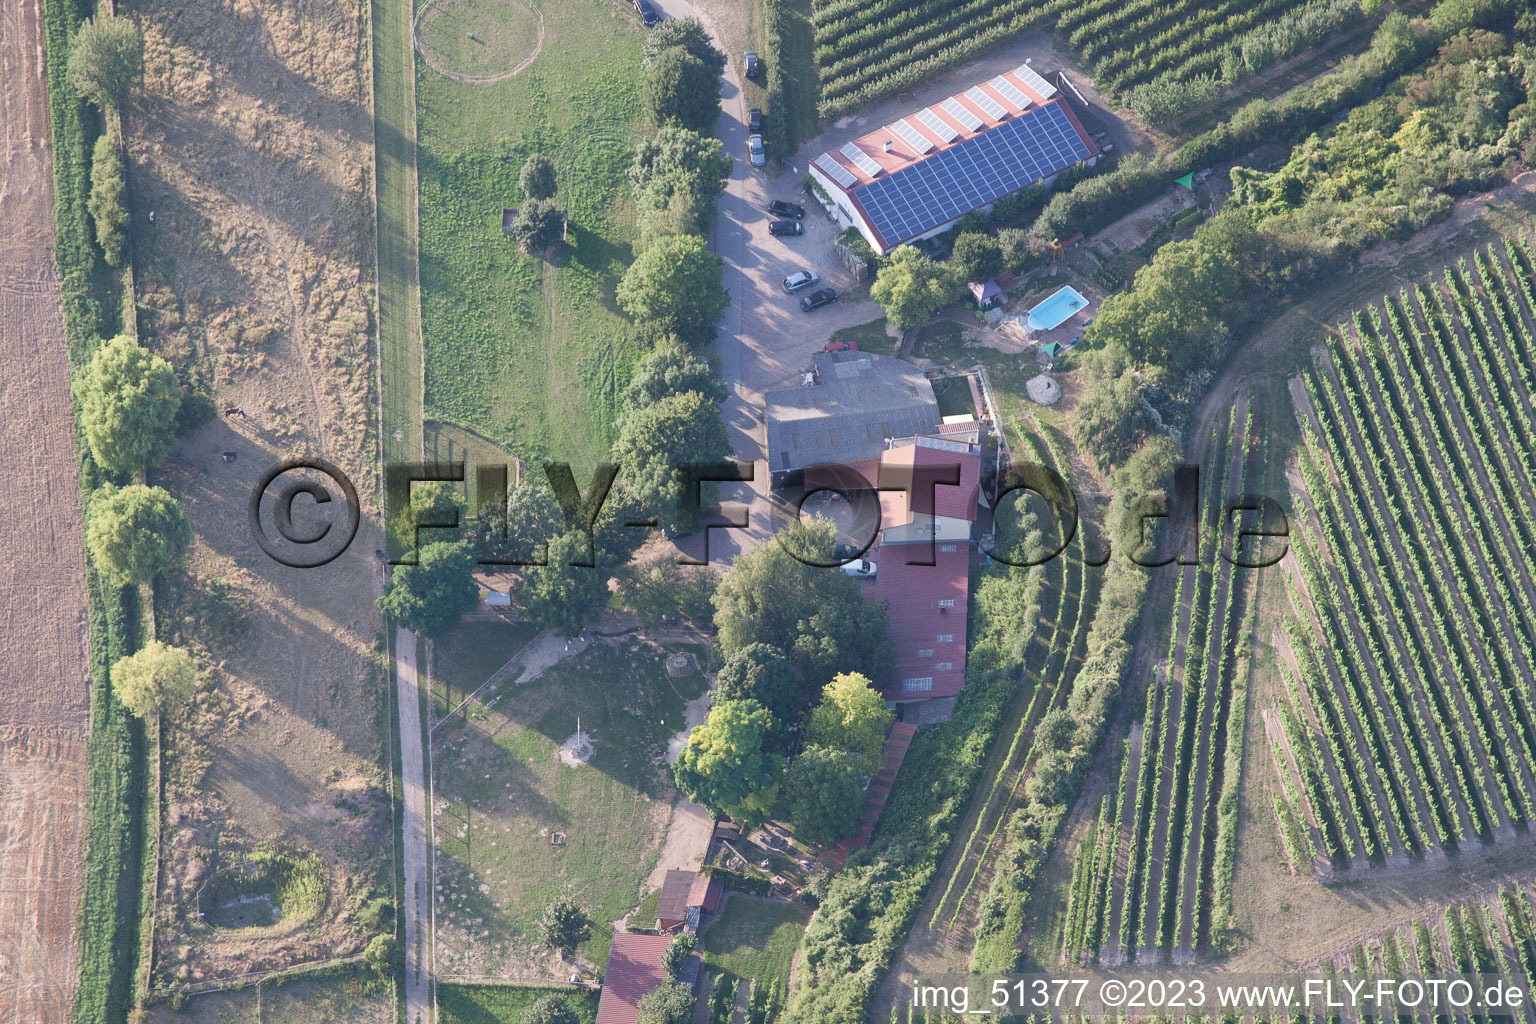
x=434, y=506
x=656, y=440
x=128, y=398
x=157, y=679
x=817, y=616
x=852, y=716
x=976, y=257
x=540, y=224
x=687, y=33
x=671, y=1002
x=675, y=203
x=663, y=589
x=564, y=926
x=760, y=672
x=561, y=597
x=675, y=148
x=135, y=533
x=537, y=180
x=517, y=530
x=1014, y=247
x=724, y=767
x=671, y=369
x=677, y=286
x=108, y=203
x=1113, y=416
x=551, y=1009
x=1055, y=730
x=823, y=796
x=382, y=954
x=106, y=56
x=432, y=595
x=681, y=89
x=1176, y=313
x=677, y=954
x=912, y=287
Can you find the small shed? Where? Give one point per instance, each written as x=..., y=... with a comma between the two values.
x=986, y=295
x=672, y=906
x=508, y=219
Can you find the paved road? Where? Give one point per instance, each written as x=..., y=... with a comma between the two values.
x=417, y=896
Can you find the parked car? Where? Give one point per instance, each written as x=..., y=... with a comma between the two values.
x=860, y=569
x=754, y=67
x=779, y=208
x=785, y=227
x=755, y=120
x=755, y=147
x=648, y=13
x=800, y=279
x=816, y=300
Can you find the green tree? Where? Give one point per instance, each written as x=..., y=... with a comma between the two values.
x=518, y=530
x=1014, y=247
x=681, y=89
x=670, y=1002
x=852, y=716
x=675, y=203
x=976, y=257
x=671, y=369
x=135, y=533
x=539, y=225
x=687, y=33
x=108, y=202
x=1113, y=416
x=106, y=56
x=158, y=678
x=760, y=672
x=817, y=616
x=564, y=925
x=823, y=796
x=551, y=1009
x=661, y=588
x=430, y=516
x=912, y=287
x=537, y=180
x=1176, y=312
x=655, y=440
x=432, y=595
x=677, y=149
x=724, y=767
x=677, y=286
x=128, y=398
x=561, y=597
x=383, y=954
x=1055, y=730
x=677, y=953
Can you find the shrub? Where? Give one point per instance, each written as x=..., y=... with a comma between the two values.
x=158, y=679
x=108, y=202
x=128, y=399
x=537, y=181
x=135, y=533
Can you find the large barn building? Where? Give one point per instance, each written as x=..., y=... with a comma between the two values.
x=915, y=178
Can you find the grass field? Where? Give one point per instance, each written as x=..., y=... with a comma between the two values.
x=467, y=655
x=754, y=938
x=531, y=354
x=870, y=337
x=499, y=1004
x=502, y=790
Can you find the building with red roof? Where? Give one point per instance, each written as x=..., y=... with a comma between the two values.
x=634, y=968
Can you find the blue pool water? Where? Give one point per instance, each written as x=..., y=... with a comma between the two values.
x=1056, y=309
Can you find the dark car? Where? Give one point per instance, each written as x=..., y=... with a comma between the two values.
x=648, y=14
x=779, y=208
x=786, y=227
x=755, y=121
x=816, y=300
x=754, y=67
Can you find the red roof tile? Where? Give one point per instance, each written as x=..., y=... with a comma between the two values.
x=928, y=636
x=706, y=892
x=634, y=968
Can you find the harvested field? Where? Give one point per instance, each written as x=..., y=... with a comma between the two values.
x=250, y=143
x=43, y=667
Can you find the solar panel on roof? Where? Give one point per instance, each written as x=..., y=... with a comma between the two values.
x=971, y=174
x=860, y=159
x=1012, y=93
x=954, y=109
x=839, y=173
x=995, y=110
x=919, y=142
x=936, y=124
x=1034, y=81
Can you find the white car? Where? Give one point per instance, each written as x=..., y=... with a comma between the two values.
x=860, y=569
x=755, y=147
x=800, y=279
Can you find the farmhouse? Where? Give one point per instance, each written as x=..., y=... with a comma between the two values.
x=634, y=968
x=914, y=179
x=851, y=407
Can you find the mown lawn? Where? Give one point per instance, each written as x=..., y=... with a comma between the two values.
x=501, y=1004
x=468, y=654
x=754, y=938
x=532, y=354
x=502, y=790
x=870, y=337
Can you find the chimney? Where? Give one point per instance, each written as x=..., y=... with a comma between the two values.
x=887, y=145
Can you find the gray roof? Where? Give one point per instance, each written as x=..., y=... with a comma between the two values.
x=861, y=400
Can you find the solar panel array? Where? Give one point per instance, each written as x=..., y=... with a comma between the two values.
x=955, y=109
x=838, y=172
x=1034, y=81
x=860, y=159
x=936, y=124
x=973, y=173
x=1012, y=93
x=995, y=110
x=919, y=142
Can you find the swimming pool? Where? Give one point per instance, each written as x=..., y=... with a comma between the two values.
x=1056, y=309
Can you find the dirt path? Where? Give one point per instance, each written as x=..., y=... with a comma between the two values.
x=43, y=665
x=417, y=896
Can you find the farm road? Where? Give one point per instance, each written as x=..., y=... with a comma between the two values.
x=417, y=896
